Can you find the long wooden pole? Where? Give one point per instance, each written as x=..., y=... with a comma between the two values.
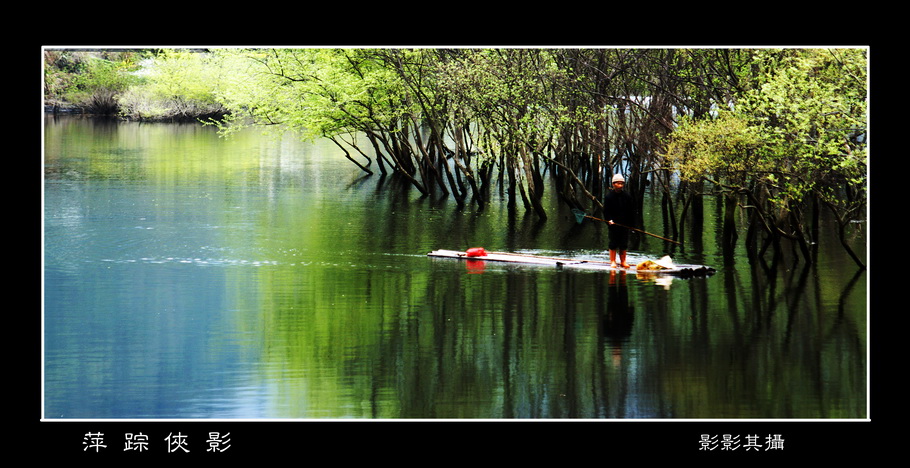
x=635, y=229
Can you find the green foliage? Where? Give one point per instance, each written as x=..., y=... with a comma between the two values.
x=798, y=134
x=91, y=80
x=178, y=84
x=724, y=147
x=317, y=92
x=105, y=74
x=511, y=91
x=802, y=123
x=813, y=109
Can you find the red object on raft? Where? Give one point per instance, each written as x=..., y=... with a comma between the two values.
x=477, y=252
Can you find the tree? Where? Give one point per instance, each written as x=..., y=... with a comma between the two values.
x=177, y=85
x=339, y=94
x=90, y=80
x=794, y=138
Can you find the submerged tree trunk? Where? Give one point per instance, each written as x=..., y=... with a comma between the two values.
x=729, y=220
x=347, y=155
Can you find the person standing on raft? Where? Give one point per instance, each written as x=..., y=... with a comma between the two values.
x=618, y=207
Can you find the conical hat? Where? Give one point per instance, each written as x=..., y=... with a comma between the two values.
x=665, y=262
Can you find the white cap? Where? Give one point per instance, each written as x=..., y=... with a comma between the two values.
x=618, y=178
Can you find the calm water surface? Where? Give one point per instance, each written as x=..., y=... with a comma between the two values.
x=191, y=276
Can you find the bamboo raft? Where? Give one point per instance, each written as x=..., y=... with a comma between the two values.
x=683, y=271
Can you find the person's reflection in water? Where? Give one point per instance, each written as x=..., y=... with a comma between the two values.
x=617, y=319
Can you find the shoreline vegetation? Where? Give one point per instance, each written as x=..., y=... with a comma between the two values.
x=779, y=135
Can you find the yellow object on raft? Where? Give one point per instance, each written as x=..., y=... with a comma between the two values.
x=664, y=263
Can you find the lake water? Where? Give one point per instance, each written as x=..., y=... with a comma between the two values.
x=188, y=276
